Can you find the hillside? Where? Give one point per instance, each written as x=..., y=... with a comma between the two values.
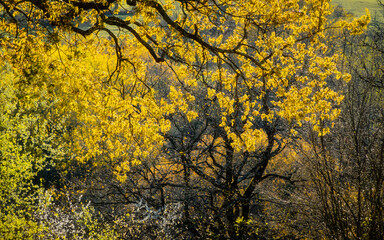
x=358, y=6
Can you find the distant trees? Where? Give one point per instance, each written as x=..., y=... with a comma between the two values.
x=346, y=166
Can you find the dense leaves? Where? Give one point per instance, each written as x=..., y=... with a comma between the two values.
x=169, y=117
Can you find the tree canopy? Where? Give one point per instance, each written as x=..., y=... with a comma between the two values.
x=195, y=95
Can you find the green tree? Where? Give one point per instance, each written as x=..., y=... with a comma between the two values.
x=21, y=157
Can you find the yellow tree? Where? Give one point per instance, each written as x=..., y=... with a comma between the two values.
x=69, y=112
x=244, y=76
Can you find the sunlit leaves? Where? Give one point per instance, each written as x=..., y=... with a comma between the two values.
x=248, y=66
x=19, y=163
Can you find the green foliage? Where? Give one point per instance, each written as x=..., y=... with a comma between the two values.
x=31, y=142
x=18, y=164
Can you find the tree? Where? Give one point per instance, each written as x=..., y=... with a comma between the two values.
x=243, y=77
x=39, y=119
x=26, y=145
x=345, y=167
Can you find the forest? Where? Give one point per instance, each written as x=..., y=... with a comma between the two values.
x=190, y=119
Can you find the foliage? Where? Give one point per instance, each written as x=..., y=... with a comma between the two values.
x=21, y=157
x=74, y=221
x=197, y=96
x=345, y=167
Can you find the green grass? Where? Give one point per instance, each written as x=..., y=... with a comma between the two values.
x=357, y=7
